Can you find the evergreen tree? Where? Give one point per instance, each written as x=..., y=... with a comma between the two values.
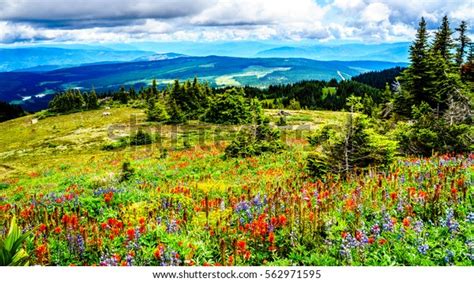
x=122, y=95
x=232, y=107
x=92, y=101
x=132, y=93
x=443, y=42
x=156, y=111
x=462, y=42
x=176, y=115
x=8, y=111
x=154, y=89
x=418, y=77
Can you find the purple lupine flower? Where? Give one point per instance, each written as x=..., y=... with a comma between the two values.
x=450, y=222
x=470, y=217
x=345, y=252
x=470, y=246
x=449, y=257
x=257, y=202
x=418, y=226
x=423, y=249
x=172, y=226
x=400, y=206
x=387, y=223
x=129, y=260
x=242, y=206
x=375, y=229
x=108, y=261
x=402, y=179
x=80, y=244
x=350, y=241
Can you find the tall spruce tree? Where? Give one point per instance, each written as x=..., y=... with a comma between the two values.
x=154, y=89
x=418, y=77
x=92, y=101
x=447, y=83
x=443, y=42
x=462, y=41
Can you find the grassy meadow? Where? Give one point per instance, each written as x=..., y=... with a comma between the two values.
x=183, y=203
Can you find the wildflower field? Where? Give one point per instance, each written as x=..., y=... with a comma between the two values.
x=190, y=206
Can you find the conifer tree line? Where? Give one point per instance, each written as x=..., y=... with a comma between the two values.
x=429, y=111
x=435, y=74
x=73, y=100
x=9, y=111
x=436, y=92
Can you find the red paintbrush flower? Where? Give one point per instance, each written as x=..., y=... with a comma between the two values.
x=41, y=251
x=131, y=234
x=65, y=219
x=282, y=219
x=42, y=228
x=247, y=255
x=271, y=237
x=406, y=222
x=350, y=204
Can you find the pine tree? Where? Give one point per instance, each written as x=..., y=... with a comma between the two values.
x=443, y=43
x=176, y=115
x=132, y=93
x=122, y=95
x=447, y=83
x=154, y=89
x=462, y=42
x=156, y=111
x=92, y=102
x=418, y=77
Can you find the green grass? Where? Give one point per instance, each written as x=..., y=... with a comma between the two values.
x=76, y=138
x=194, y=202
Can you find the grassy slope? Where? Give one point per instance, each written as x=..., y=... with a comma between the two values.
x=75, y=140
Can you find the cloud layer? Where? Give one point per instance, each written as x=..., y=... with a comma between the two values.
x=210, y=20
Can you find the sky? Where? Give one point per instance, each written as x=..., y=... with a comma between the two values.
x=99, y=21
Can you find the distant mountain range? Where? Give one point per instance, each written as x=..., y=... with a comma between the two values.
x=34, y=89
x=50, y=57
x=396, y=52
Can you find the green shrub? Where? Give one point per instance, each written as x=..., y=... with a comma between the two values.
x=127, y=172
x=282, y=121
x=156, y=111
x=341, y=149
x=255, y=140
x=232, y=107
x=140, y=138
x=318, y=164
x=430, y=133
x=115, y=145
x=4, y=186
x=294, y=105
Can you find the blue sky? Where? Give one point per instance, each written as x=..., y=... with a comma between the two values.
x=99, y=21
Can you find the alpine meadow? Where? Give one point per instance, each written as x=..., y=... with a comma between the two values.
x=208, y=136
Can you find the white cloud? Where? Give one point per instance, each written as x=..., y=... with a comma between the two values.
x=376, y=12
x=348, y=4
x=210, y=20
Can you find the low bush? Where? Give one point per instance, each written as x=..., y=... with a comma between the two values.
x=255, y=140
